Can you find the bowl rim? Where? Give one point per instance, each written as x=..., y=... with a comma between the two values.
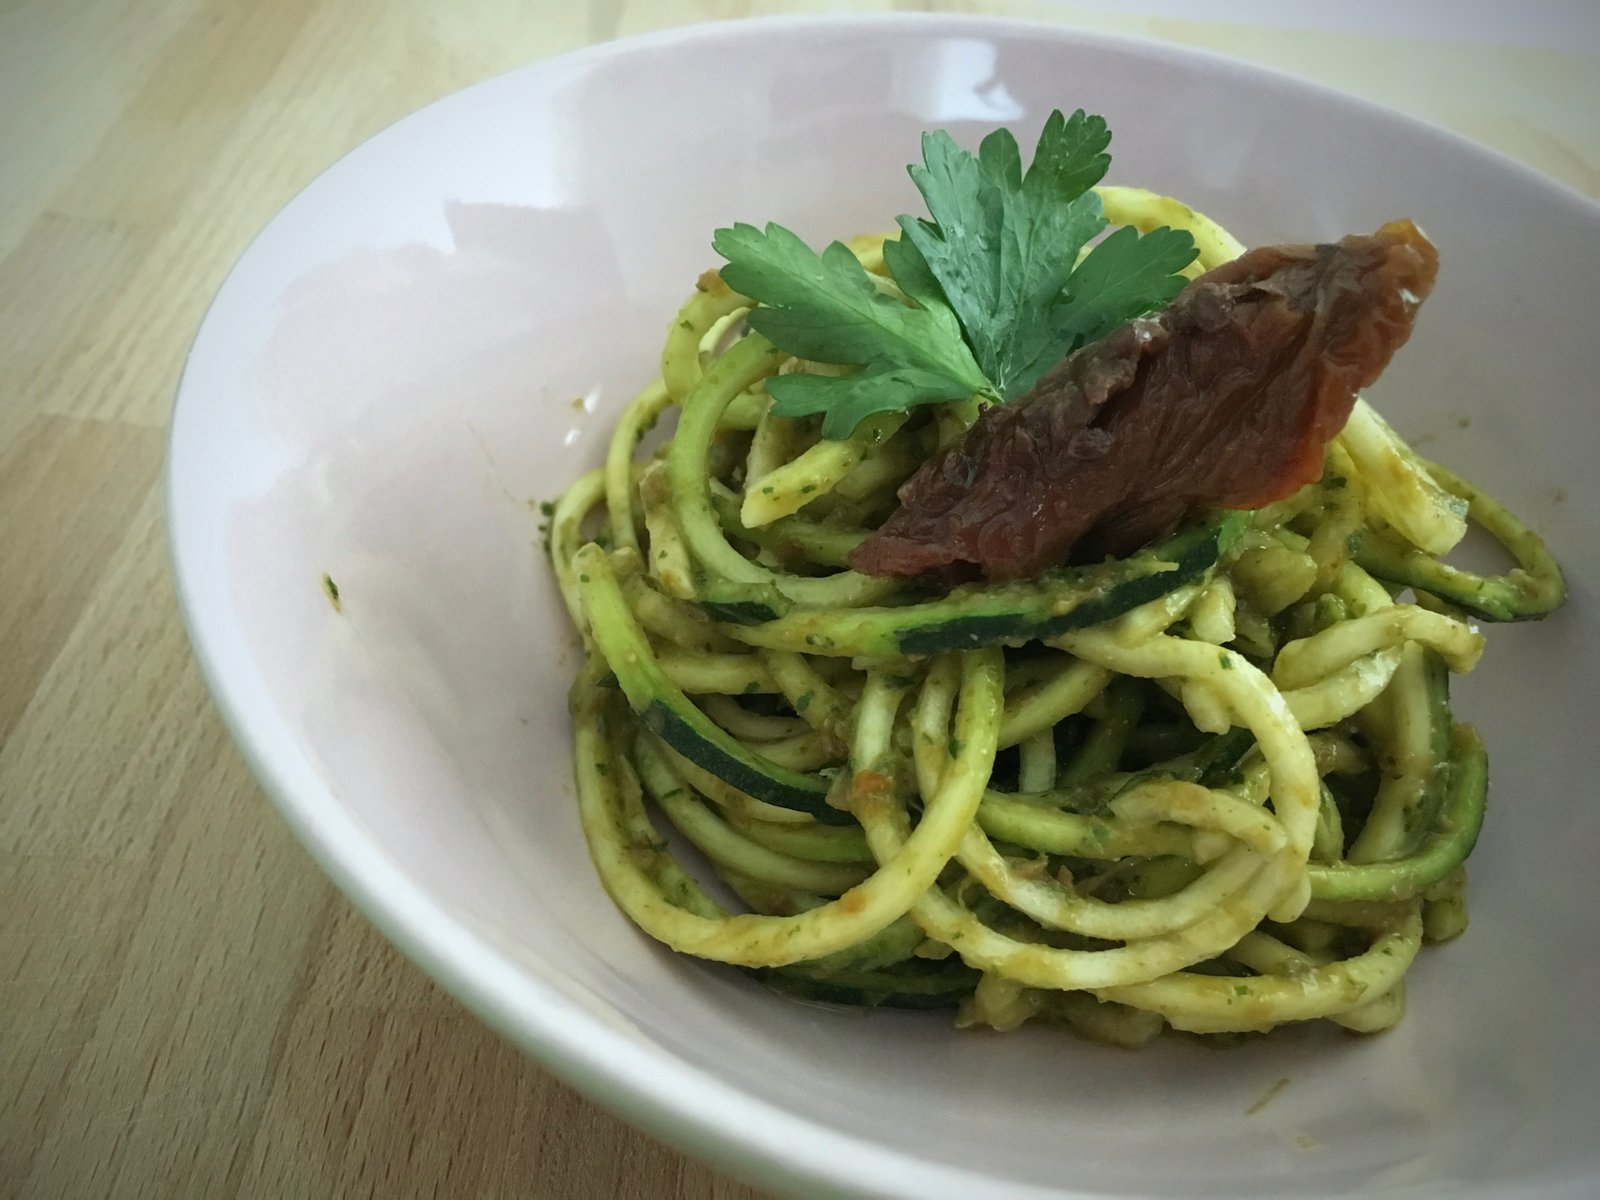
x=751, y=1138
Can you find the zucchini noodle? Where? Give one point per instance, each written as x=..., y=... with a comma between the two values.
x=1216, y=787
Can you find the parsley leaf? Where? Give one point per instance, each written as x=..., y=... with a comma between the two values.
x=1124, y=276
x=997, y=292
x=1002, y=243
x=827, y=308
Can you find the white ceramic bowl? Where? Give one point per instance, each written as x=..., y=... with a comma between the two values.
x=436, y=333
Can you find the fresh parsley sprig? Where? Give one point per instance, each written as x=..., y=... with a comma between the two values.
x=998, y=294
x=1002, y=243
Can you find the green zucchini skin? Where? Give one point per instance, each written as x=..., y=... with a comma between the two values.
x=1519, y=596
x=1535, y=588
x=742, y=603
x=1220, y=758
x=740, y=612
x=987, y=615
x=664, y=708
x=696, y=738
x=1446, y=847
x=1104, y=600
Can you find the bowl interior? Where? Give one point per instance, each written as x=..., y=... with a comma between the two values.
x=436, y=335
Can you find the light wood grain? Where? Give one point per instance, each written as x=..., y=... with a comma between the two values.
x=187, y=1008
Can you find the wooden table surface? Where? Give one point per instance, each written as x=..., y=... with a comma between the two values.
x=187, y=1007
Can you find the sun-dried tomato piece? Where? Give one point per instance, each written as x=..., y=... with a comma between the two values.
x=1227, y=399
